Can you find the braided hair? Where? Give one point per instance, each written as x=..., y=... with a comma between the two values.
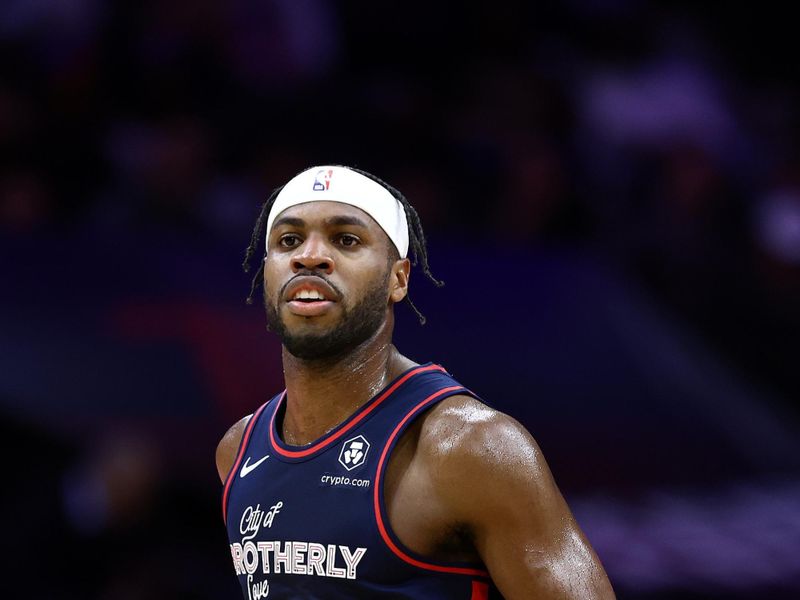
x=416, y=238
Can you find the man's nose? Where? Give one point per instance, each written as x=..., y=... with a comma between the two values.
x=314, y=255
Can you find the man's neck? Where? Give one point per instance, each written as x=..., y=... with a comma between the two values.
x=322, y=394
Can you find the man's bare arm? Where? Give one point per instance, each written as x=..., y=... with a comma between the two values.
x=494, y=479
x=228, y=446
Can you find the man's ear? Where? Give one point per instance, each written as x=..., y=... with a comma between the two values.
x=398, y=280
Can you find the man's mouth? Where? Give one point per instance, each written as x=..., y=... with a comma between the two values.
x=306, y=288
x=307, y=296
x=308, y=300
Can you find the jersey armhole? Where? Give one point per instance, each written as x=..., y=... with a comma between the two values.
x=388, y=536
x=243, y=443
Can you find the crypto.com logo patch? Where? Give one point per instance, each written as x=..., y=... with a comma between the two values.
x=354, y=452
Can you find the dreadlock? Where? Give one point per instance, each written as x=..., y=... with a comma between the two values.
x=416, y=238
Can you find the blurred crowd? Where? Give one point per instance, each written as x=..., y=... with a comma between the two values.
x=660, y=137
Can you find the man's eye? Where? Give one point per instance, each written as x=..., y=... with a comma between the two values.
x=348, y=240
x=289, y=240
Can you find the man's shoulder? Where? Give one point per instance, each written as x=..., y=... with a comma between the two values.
x=477, y=458
x=229, y=445
x=463, y=430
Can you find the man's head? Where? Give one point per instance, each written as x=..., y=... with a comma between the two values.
x=334, y=263
x=331, y=277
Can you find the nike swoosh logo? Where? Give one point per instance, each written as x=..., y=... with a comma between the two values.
x=246, y=468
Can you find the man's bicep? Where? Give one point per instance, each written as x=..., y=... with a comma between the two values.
x=527, y=559
x=523, y=529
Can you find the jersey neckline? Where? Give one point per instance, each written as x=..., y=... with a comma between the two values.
x=289, y=453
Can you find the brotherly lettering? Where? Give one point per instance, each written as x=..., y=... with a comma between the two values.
x=296, y=558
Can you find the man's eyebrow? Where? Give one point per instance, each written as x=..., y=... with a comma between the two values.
x=338, y=220
x=293, y=221
x=346, y=220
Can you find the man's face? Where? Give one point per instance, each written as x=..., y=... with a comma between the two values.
x=328, y=278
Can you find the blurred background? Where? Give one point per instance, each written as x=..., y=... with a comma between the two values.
x=611, y=191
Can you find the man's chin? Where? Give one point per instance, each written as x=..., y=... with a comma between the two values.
x=311, y=347
x=310, y=338
x=326, y=342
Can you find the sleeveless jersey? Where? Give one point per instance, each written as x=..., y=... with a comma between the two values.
x=310, y=521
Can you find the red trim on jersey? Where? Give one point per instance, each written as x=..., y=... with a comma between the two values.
x=377, y=500
x=349, y=426
x=480, y=590
x=242, y=447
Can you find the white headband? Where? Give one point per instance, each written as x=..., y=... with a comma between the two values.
x=341, y=184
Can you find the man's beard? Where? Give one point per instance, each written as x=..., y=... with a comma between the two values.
x=357, y=325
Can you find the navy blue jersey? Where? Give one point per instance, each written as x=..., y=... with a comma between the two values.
x=310, y=521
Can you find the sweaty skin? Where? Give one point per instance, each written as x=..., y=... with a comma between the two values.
x=465, y=482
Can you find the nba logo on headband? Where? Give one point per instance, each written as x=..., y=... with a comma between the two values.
x=325, y=183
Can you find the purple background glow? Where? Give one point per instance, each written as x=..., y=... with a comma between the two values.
x=611, y=191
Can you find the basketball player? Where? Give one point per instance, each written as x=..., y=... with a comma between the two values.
x=372, y=476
